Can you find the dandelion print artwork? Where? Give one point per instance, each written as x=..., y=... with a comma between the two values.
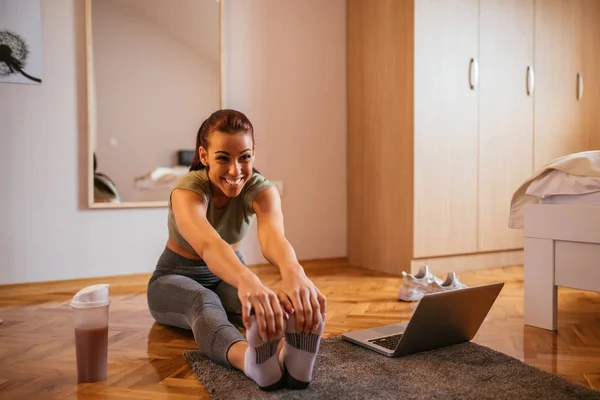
x=20, y=41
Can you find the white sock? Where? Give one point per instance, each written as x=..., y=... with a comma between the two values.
x=260, y=362
x=299, y=354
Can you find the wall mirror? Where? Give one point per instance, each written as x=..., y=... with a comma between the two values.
x=153, y=75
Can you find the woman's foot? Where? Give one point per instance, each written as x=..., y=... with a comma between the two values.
x=260, y=362
x=299, y=354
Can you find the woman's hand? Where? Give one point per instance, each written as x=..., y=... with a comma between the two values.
x=299, y=295
x=255, y=296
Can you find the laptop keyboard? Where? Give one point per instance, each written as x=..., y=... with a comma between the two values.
x=389, y=342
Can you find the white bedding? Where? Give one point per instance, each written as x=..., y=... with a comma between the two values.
x=586, y=199
x=561, y=183
x=163, y=177
x=576, y=175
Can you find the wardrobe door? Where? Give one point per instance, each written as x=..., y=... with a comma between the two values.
x=380, y=134
x=445, y=142
x=505, y=115
x=558, y=62
x=591, y=72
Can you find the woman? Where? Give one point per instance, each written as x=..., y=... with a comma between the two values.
x=201, y=282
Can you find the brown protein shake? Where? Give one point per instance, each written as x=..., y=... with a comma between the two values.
x=90, y=320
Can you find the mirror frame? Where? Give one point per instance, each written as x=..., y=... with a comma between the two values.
x=91, y=116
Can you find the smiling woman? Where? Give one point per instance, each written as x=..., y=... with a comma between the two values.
x=200, y=281
x=222, y=173
x=226, y=150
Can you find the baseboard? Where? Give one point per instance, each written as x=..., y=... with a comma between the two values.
x=137, y=281
x=310, y=263
x=469, y=262
x=121, y=283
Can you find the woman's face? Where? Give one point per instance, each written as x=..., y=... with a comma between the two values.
x=229, y=158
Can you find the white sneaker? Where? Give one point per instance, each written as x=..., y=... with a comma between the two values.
x=450, y=283
x=414, y=287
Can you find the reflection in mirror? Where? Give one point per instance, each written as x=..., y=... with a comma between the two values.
x=154, y=71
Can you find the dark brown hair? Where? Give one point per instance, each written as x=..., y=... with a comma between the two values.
x=226, y=121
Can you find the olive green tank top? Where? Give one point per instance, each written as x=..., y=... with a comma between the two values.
x=233, y=220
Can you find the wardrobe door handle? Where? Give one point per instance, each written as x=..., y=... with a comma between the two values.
x=473, y=73
x=579, y=85
x=530, y=80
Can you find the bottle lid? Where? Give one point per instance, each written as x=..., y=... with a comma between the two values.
x=91, y=296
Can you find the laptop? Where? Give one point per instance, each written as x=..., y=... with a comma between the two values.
x=440, y=319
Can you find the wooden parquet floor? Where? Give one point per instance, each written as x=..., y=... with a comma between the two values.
x=37, y=352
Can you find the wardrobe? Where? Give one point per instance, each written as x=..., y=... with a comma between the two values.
x=452, y=104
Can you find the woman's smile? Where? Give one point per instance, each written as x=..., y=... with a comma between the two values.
x=233, y=181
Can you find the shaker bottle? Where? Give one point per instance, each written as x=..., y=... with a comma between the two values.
x=90, y=320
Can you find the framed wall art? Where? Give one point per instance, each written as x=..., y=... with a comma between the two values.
x=20, y=41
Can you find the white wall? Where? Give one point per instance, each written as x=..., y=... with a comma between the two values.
x=153, y=91
x=285, y=69
x=44, y=234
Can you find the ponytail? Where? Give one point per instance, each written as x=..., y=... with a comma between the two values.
x=196, y=165
x=201, y=138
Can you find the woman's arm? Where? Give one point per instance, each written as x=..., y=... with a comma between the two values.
x=189, y=209
x=308, y=302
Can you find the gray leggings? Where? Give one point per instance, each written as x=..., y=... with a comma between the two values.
x=186, y=294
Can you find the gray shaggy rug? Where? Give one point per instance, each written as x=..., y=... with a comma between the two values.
x=346, y=371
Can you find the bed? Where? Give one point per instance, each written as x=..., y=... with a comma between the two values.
x=559, y=210
x=562, y=248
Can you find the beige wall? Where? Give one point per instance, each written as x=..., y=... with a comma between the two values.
x=285, y=69
x=153, y=90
